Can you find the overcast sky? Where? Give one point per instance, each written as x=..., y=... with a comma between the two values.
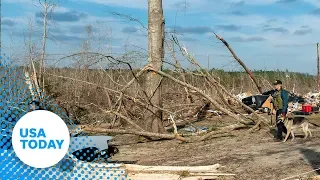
x=266, y=34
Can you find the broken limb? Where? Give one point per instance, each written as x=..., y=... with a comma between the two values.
x=200, y=92
x=113, y=91
x=240, y=62
x=119, y=101
x=121, y=116
x=217, y=84
x=177, y=136
x=174, y=125
x=261, y=119
x=223, y=130
x=89, y=129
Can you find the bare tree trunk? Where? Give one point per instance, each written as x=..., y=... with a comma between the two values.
x=31, y=50
x=44, y=39
x=156, y=54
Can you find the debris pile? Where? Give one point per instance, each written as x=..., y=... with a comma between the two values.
x=302, y=105
x=312, y=98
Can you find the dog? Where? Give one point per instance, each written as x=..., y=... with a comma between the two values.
x=292, y=125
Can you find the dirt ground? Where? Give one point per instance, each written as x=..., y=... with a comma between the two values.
x=250, y=156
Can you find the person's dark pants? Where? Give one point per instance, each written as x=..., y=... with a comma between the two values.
x=280, y=125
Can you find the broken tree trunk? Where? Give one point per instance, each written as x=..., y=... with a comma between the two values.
x=240, y=62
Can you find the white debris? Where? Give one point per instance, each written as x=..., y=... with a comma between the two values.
x=243, y=95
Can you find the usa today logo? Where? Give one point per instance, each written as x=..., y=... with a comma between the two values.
x=40, y=139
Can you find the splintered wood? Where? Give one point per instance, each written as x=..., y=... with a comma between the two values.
x=139, y=172
x=136, y=172
x=172, y=169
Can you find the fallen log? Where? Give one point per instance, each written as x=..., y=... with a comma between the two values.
x=89, y=129
x=148, y=176
x=200, y=178
x=172, y=169
x=180, y=137
x=211, y=174
x=217, y=84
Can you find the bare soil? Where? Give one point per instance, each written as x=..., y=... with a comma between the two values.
x=250, y=156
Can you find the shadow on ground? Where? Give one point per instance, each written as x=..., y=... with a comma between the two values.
x=273, y=131
x=312, y=157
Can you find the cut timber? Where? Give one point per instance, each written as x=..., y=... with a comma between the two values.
x=147, y=176
x=167, y=176
x=211, y=174
x=200, y=178
x=137, y=172
x=172, y=169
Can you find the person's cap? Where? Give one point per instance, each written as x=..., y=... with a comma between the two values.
x=277, y=82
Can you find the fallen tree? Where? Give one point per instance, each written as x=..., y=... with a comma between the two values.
x=190, y=92
x=219, y=87
x=180, y=137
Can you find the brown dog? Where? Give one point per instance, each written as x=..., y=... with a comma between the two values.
x=292, y=125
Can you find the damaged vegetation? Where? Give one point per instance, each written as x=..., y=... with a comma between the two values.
x=115, y=101
x=164, y=100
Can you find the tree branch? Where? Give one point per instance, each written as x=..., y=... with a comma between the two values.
x=240, y=62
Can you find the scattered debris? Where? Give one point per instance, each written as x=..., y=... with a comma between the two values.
x=194, y=129
x=243, y=95
x=216, y=113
